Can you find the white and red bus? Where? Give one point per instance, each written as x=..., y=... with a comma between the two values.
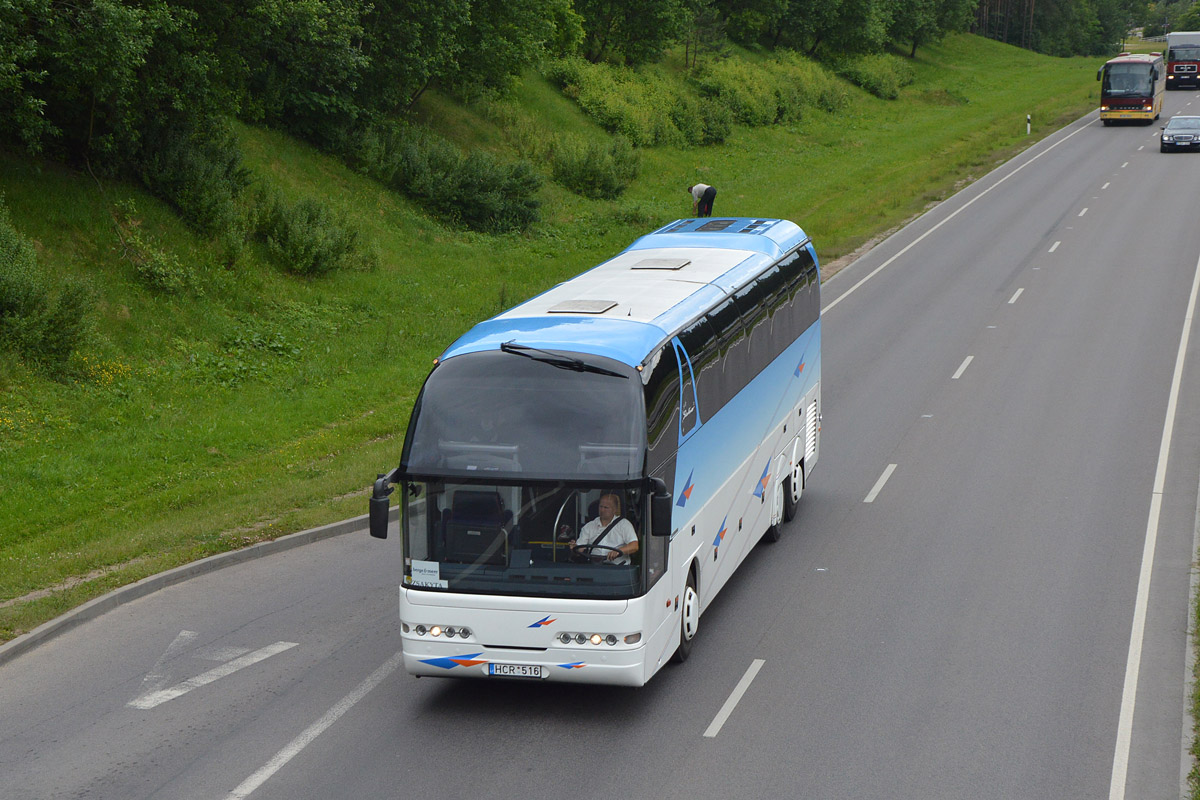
x=1131, y=87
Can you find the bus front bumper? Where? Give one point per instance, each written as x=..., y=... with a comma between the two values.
x=1127, y=113
x=624, y=667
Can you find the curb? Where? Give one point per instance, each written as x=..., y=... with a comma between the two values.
x=117, y=597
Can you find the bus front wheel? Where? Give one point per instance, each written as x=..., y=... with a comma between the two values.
x=689, y=620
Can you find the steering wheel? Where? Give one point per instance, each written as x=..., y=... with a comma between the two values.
x=587, y=552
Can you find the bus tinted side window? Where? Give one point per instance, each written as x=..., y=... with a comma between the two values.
x=702, y=349
x=732, y=347
x=756, y=301
x=662, y=407
x=800, y=307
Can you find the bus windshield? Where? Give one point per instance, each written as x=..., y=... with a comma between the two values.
x=541, y=539
x=1127, y=80
x=529, y=415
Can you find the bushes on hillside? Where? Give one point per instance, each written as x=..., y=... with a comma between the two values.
x=883, y=75
x=41, y=325
x=159, y=271
x=477, y=190
x=776, y=90
x=649, y=110
x=595, y=170
x=308, y=238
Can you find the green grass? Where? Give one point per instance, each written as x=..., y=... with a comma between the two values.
x=260, y=404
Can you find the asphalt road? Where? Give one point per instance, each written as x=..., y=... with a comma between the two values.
x=984, y=594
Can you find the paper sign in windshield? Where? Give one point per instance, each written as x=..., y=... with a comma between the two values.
x=428, y=574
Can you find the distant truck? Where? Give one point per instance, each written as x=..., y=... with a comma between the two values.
x=1183, y=59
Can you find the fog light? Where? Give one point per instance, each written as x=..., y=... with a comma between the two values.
x=420, y=629
x=436, y=630
x=580, y=638
x=610, y=640
x=464, y=633
x=564, y=637
x=596, y=638
x=450, y=631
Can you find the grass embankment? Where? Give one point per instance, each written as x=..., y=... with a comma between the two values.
x=260, y=404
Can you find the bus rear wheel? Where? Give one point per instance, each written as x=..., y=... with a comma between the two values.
x=688, y=621
x=792, y=487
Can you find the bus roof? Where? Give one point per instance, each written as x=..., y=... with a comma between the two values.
x=627, y=306
x=1135, y=58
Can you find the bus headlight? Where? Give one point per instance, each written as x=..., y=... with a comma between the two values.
x=449, y=631
x=597, y=639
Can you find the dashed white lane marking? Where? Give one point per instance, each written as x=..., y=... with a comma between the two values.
x=730, y=704
x=951, y=216
x=1081, y=213
x=1013, y=299
x=316, y=729
x=962, y=367
x=1054, y=247
x=878, y=487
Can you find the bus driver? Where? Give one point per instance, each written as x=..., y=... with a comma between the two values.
x=608, y=537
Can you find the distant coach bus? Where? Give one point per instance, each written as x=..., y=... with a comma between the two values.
x=583, y=472
x=1131, y=88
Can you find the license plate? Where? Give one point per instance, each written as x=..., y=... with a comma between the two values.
x=516, y=670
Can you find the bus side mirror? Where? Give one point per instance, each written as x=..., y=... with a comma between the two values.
x=379, y=506
x=660, y=508
x=1099, y=73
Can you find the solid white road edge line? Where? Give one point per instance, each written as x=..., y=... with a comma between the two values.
x=1133, y=663
x=1189, y=723
x=316, y=729
x=954, y=214
x=730, y=704
x=887, y=473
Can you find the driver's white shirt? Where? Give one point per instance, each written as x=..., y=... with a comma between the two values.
x=622, y=533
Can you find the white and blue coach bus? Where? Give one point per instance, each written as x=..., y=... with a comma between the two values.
x=678, y=382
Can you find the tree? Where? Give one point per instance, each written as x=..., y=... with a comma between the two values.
x=502, y=38
x=634, y=30
x=919, y=22
x=20, y=105
x=408, y=44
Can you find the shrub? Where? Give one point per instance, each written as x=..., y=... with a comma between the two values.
x=883, y=75
x=641, y=105
x=202, y=176
x=158, y=270
x=716, y=122
x=747, y=90
x=39, y=326
x=478, y=190
x=310, y=239
x=594, y=169
x=649, y=109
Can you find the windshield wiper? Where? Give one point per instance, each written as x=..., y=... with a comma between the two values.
x=555, y=360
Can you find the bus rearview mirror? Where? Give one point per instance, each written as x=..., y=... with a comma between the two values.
x=379, y=507
x=660, y=509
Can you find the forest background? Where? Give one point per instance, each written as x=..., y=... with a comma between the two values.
x=234, y=235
